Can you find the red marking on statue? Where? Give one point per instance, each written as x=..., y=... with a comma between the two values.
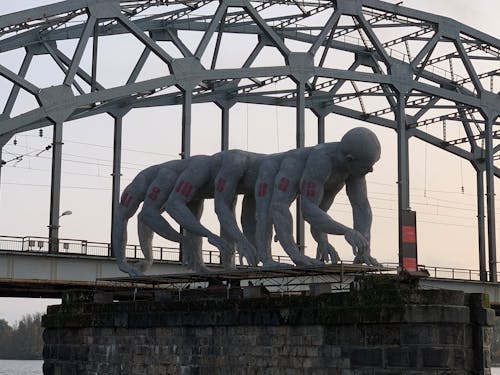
x=154, y=193
x=409, y=234
x=186, y=189
x=179, y=186
x=283, y=184
x=308, y=189
x=126, y=199
x=262, y=189
x=220, y=185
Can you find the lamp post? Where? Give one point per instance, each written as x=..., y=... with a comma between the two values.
x=54, y=234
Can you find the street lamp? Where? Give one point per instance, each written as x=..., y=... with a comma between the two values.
x=54, y=233
x=66, y=213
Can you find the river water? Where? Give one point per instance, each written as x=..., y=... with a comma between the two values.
x=8, y=367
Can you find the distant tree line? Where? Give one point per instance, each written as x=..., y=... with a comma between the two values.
x=23, y=341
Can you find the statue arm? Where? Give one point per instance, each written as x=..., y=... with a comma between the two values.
x=361, y=210
x=325, y=251
x=184, y=191
x=225, y=193
x=362, y=216
x=284, y=192
x=313, y=180
x=154, y=202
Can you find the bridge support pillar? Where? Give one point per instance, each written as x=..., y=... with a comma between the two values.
x=224, y=131
x=300, y=142
x=480, y=224
x=116, y=175
x=490, y=196
x=55, y=192
x=187, y=102
x=371, y=331
x=186, y=124
x=3, y=141
x=321, y=128
x=403, y=171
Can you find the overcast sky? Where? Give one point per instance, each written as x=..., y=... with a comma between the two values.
x=442, y=187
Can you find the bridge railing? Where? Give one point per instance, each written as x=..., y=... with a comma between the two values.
x=454, y=273
x=172, y=254
x=68, y=246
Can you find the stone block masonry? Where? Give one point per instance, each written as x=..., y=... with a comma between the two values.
x=375, y=331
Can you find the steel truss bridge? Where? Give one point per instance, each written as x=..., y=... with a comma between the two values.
x=382, y=63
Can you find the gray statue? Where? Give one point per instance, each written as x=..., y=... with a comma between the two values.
x=328, y=168
x=155, y=184
x=223, y=177
x=270, y=184
x=131, y=198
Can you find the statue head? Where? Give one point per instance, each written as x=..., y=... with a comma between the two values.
x=360, y=150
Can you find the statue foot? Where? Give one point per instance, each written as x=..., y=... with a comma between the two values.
x=302, y=260
x=131, y=271
x=270, y=263
x=229, y=266
x=366, y=259
x=143, y=265
x=198, y=267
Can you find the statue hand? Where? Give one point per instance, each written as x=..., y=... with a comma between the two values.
x=247, y=251
x=222, y=245
x=367, y=259
x=326, y=252
x=358, y=242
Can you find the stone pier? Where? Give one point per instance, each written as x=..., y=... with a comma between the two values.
x=379, y=330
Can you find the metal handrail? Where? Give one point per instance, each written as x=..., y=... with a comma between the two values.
x=36, y=244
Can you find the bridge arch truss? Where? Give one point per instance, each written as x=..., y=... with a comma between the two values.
x=403, y=65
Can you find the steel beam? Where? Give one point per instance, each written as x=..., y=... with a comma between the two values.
x=224, y=139
x=300, y=141
x=187, y=100
x=403, y=168
x=55, y=188
x=321, y=128
x=3, y=141
x=480, y=224
x=15, y=89
x=116, y=175
x=490, y=197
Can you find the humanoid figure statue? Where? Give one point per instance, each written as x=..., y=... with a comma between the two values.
x=330, y=167
x=227, y=174
x=132, y=196
x=318, y=174
x=270, y=183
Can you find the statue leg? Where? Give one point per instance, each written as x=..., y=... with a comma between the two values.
x=285, y=188
x=248, y=222
x=145, y=234
x=194, y=256
x=228, y=260
x=188, y=185
x=131, y=197
x=150, y=219
x=264, y=225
